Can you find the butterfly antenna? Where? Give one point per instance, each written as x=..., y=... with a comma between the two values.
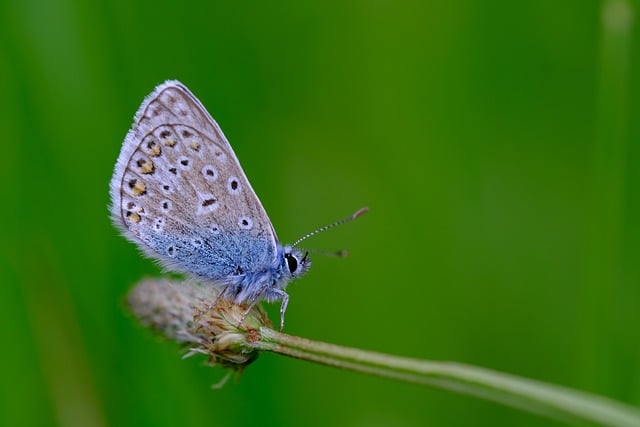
x=350, y=218
x=342, y=253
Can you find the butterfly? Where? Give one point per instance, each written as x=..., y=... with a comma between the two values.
x=179, y=193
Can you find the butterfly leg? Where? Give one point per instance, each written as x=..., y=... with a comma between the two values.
x=270, y=294
x=221, y=295
x=252, y=302
x=282, y=295
x=283, y=308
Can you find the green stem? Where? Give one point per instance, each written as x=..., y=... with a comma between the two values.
x=533, y=396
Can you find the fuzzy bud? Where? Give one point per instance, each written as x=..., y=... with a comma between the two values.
x=191, y=313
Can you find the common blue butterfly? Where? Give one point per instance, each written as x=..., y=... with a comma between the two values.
x=179, y=193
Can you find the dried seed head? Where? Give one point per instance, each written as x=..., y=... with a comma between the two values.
x=191, y=313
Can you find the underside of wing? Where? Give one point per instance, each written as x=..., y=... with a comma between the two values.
x=179, y=192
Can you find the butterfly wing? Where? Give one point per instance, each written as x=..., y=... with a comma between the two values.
x=179, y=192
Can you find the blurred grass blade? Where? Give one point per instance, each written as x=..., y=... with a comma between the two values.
x=605, y=286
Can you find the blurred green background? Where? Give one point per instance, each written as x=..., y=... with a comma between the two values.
x=495, y=142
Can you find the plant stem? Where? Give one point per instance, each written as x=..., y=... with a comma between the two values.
x=530, y=395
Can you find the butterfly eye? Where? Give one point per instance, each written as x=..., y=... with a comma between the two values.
x=292, y=263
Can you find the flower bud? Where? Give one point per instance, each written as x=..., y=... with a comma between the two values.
x=192, y=313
